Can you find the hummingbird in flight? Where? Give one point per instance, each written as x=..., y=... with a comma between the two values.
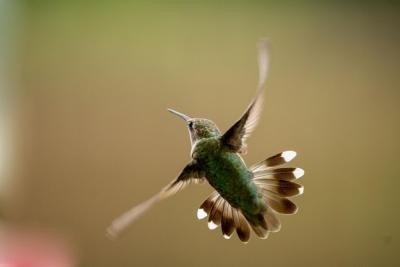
x=245, y=197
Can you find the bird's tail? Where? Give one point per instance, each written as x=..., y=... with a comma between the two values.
x=275, y=186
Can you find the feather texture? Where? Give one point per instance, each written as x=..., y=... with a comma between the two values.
x=220, y=212
x=258, y=224
x=281, y=205
x=280, y=187
x=190, y=174
x=242, y=227
x=287, y=174
x=274, y=225
x=235, y=138
x=227, y=223
x=275, y=160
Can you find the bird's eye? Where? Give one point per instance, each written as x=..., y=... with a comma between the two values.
x=190, y=123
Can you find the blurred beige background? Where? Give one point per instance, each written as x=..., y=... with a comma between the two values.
x=91, y=84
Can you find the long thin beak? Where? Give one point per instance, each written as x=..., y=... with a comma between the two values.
x=180, y=115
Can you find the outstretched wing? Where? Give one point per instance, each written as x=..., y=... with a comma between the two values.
x=192, y=173
x=234, y=139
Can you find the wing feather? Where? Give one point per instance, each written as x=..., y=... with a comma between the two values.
x=234, y=139
x=192, y=173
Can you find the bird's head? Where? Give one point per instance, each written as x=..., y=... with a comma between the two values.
x=198, y=128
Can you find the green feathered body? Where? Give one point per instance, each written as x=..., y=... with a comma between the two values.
x=228, y=174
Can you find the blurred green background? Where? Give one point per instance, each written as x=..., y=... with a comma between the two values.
x=91, y=81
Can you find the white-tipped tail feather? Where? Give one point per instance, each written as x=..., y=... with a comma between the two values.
x=211, y=225
x=275, y=186
x=289, y=155
x=227, y=236
x=298, y=172
x=220, y=212
x=275, y=160
x=201, y=214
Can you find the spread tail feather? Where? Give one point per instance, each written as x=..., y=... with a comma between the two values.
x=274, y=184
x=220, y=212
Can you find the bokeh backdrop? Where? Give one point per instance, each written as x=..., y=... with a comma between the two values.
x=85, y=133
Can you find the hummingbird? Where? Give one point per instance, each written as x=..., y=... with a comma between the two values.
x=245, y=198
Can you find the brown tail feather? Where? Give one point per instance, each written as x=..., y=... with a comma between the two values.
x=258, y=224
x=228, y=223
x=242, y=227
x=275, y=160
x=220, y=212
x=275, y=185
